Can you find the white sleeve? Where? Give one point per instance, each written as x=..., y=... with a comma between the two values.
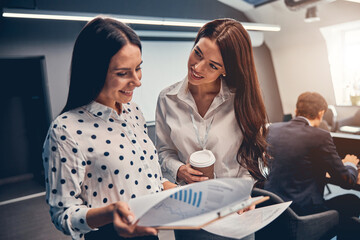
x=168, y=154
x=64, y=168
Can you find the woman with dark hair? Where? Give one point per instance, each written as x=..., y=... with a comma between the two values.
x=97, y=154
x=217, y=107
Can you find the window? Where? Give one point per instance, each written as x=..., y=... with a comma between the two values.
x=343, y=45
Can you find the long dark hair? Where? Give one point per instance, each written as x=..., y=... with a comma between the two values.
x=96, y=44
x=236, y=51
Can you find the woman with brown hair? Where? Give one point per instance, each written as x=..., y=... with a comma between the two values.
x=217, y=107
x=97, y=154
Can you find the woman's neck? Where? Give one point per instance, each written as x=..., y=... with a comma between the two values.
x=204, y=95
x=118, y=107
x=114, y=105
x=204, y=90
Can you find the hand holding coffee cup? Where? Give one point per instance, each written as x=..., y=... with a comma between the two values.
x=203, y=161
x=189, y=175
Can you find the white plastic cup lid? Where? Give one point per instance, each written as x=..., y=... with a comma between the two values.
x=203, y=158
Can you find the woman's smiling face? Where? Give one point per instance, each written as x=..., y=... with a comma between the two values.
x=123, y=76
x=205, y=63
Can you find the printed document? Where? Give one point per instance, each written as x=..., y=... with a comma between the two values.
x=208, y=205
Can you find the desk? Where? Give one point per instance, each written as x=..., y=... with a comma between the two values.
x=346, y=144
x=350, y=129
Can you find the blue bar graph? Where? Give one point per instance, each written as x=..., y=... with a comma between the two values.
x=199, y=200
x=190, y=193
x=191, y=199
x=194, y=200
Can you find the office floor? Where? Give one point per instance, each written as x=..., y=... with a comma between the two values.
x=25, y=215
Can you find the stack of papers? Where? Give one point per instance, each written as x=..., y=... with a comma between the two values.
x=211, y=205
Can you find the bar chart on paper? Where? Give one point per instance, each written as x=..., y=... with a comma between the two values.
x=180, y=205
x=193, y=205
x=188, y=196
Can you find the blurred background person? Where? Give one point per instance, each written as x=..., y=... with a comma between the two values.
x=301, y=155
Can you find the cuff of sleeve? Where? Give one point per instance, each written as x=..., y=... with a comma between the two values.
x=173, y=169
x=350, y=164
x=78, y=221
x=164, y=180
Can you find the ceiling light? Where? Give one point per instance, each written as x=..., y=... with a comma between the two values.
x=71, y=16
x=311, y=15
x=355, y=1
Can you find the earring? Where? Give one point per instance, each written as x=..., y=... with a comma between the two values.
x=223, y=75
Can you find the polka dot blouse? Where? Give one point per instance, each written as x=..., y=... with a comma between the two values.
x=92, y=157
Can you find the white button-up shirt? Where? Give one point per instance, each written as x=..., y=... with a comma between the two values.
x=93, y=157
x=176, y=137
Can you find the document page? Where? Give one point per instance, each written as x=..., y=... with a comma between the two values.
x=239, y=226
x=192, y=205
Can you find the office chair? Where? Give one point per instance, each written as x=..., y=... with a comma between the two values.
x=330, y=117
x=287, y=117
x=290, y=226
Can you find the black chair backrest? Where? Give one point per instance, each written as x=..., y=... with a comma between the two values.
x=274, y=199
x=290, y=226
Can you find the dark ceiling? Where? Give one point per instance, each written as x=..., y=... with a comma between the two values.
x=186, y=9
x=194, y=9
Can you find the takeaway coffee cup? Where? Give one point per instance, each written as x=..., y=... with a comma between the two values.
x=203, y=161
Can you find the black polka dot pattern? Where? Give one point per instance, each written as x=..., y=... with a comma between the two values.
x=93, y=156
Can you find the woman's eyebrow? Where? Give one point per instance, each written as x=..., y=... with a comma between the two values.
x=126, y=68
x=198, y=48
x=216, y=63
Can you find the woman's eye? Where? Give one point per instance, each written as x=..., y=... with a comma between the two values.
x=197, y=52
x=138, y=69
x=213, y=66
x=121, y=74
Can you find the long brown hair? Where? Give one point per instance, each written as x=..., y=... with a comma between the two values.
x=236, y=51
x=97, y=43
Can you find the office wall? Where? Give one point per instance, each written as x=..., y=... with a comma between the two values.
x=268, y=83
x=304, y=66
x=164, y=61
x=299, y=50
x=53, y=39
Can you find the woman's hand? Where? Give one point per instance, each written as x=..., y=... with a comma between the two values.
x=251, y=207
x=189, y=175
x=123, y=220
x=168, y=185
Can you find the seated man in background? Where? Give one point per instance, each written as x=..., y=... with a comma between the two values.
x=301, y=154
